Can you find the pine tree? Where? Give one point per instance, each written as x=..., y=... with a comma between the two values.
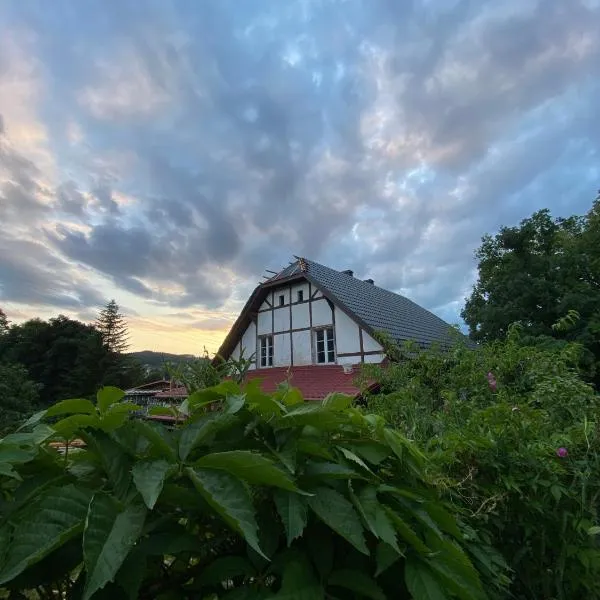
x=4, y=322
x=113, y=328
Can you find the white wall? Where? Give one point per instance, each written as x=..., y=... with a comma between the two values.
x=265, y=324
x=249, y=343
x=347, y=334
x=374, y=358
x=302, y=348
x=369, y=344
x=300, y=315
x=281, y=318
x=296, y=288
x=282, y=356
x=321, y=313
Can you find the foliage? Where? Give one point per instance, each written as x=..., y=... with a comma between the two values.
x=113, y=328
x=264, y=496
x=66, y=358
x=18, y=396
x=534, y=274
x=512, y=433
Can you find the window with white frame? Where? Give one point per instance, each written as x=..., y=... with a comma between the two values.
x=266, y=351
x=325, y=345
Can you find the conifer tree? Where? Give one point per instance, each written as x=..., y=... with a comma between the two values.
x=113, y=328
x=4, y=322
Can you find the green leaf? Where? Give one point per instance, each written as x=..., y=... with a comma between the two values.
x=385, y=557
x=229, y=498
x=337, y=402
x=299, y=581
x=69, y=425
x=234, y=403
x=370, y=451
x=225, y=568
x=354, y=458
x=330, y=469
x=115, y=461
x=454, y=569
x=15, y=455
x=33, y=420
x=339, y=514
x=250, y=466
x=406, y=531
x=107, y=396
x=595, y=530
x=203, y=431
x=48, y=522
x=73, y=406
x=292, y=509
x=374, y=515
x=422, y=582
x=443, y=518
x=149, y=477
x=158, y=436
x=356, y=581
x=110, y=534
x=8, y=471
x=39, y=434
x=212, y=394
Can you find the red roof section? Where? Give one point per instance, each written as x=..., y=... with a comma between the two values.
x=315, y=382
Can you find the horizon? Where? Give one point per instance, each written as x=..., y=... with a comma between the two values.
x=167, y=156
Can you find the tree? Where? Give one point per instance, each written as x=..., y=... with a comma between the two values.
x=18, y=396
x=113, y=328
x=66, y=357
x=535, y=274
x=4, y=322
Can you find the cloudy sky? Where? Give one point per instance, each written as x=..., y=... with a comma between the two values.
x=165, y=153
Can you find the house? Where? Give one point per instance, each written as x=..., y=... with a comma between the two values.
x=161, y=393
x=314, y=325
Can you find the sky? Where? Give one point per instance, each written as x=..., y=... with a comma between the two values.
x=165, y=153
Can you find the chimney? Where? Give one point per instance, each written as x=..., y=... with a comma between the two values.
x=370, y=281
x=348, y=272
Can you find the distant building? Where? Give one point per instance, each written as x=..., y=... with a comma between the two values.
x=161, y=393
x=316, y=325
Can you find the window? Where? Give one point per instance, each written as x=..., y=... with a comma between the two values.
x=266, y=351
x=281, y=300
x=325, y=346
x=300, y=295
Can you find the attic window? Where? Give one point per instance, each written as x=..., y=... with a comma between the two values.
x=281, y=300
x=325, y=345
x=300, y=295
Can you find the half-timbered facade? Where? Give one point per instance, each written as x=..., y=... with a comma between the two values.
x=310, y=322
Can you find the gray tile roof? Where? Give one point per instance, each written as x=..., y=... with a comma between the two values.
x=377, y=308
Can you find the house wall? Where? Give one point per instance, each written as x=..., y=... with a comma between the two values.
x=293, y=328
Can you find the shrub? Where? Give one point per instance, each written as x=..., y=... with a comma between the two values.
x=493, y=421
x=265, y=496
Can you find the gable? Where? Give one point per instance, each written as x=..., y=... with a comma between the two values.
x=291, y=312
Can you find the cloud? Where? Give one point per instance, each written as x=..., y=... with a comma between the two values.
x=179, y=151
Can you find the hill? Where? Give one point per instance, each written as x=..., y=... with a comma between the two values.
x=155, y=360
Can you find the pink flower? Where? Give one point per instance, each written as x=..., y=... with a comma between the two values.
x=562, y=453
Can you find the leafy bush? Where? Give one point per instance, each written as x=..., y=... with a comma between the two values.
x=512, y=433
x=254, y=496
